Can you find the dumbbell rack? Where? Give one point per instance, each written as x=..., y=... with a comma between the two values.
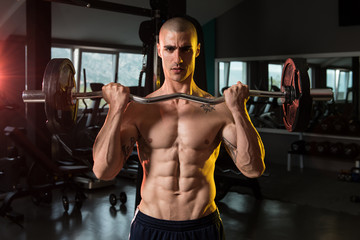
x=306, y=135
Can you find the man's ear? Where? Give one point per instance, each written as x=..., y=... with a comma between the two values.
x=158, y=50
x=197, y=50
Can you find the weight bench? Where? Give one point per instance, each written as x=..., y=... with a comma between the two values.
x=62, y=176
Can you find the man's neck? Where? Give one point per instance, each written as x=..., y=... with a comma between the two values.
x=187, y=87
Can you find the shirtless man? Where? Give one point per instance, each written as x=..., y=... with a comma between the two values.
x=178, y=142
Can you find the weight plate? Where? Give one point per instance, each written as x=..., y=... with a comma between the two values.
x=297, y=105
x=58, y=84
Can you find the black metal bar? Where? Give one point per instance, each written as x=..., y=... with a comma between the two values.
x=108, y=6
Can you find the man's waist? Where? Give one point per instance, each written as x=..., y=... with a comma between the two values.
x=176, y=225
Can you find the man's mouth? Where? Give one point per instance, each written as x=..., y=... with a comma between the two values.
x=177, y=69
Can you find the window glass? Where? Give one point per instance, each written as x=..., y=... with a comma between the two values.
x=275, y=71
x=340, y=81
x=330, y=79
x=350, y=84
x=310, y=76
x=57, y=52
x=342, y=84
x=230, y=73
x=237, y=73
x=99, y=68
x=130, y=65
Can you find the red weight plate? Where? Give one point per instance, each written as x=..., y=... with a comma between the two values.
x=58, y=83
x=297, y=105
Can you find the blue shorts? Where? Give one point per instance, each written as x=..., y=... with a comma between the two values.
x=144, y=227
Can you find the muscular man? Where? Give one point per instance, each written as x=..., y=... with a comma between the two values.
x=178, y=142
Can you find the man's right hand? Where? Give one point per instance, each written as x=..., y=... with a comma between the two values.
x=116, y=95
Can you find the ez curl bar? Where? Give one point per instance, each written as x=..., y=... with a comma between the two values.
x=61, y=99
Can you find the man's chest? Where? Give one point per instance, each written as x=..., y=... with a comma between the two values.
x=192, y=126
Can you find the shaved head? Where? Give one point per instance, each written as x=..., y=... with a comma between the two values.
x=178, y=47
x=178, y=24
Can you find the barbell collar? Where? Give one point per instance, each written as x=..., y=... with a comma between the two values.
x=33, y=96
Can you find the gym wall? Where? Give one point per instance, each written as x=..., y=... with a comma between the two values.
x=272, y=28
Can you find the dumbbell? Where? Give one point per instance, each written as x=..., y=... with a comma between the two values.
x=309, y=147
x=298, y=146
x=322, y=148
x=351, y=150
x=78, y=201
x=336, y=149
x=113, y=199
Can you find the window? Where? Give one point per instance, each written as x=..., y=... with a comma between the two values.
x=101, y=67
x=230, y=73
x=340, y=81
x=275, y=71
x=96, y=67
x=58, y=52
x=130, y=65
x=310, y=73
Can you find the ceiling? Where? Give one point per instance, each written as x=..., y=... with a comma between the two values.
x=82, y=24
x=93, y=25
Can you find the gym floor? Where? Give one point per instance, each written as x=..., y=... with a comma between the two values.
x=244, y=217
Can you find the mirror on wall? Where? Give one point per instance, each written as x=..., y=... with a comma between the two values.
x=335, y=72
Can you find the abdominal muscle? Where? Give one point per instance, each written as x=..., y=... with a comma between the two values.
x=178, y=184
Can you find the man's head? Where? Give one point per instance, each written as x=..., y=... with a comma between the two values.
x=178, y=47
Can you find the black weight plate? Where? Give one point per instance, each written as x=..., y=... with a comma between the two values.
x=297, y=107
x=58, y=84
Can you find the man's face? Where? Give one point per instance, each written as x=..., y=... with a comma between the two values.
x=178, y=51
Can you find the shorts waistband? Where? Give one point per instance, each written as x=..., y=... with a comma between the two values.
x=178, y=226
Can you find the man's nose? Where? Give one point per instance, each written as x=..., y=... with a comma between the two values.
x=177, y=57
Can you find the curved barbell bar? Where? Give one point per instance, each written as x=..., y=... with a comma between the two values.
x=316, y=94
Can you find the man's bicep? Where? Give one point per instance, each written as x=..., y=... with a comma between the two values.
x=129, y=136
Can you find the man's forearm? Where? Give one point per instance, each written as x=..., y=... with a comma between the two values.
x=107, y=153
x=250, y=153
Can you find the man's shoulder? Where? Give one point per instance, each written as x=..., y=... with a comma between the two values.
x=204, y=94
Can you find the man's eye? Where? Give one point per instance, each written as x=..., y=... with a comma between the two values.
x=170, y=49
x=186, y=49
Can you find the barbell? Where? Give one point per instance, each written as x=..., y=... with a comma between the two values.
x=61, y=99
